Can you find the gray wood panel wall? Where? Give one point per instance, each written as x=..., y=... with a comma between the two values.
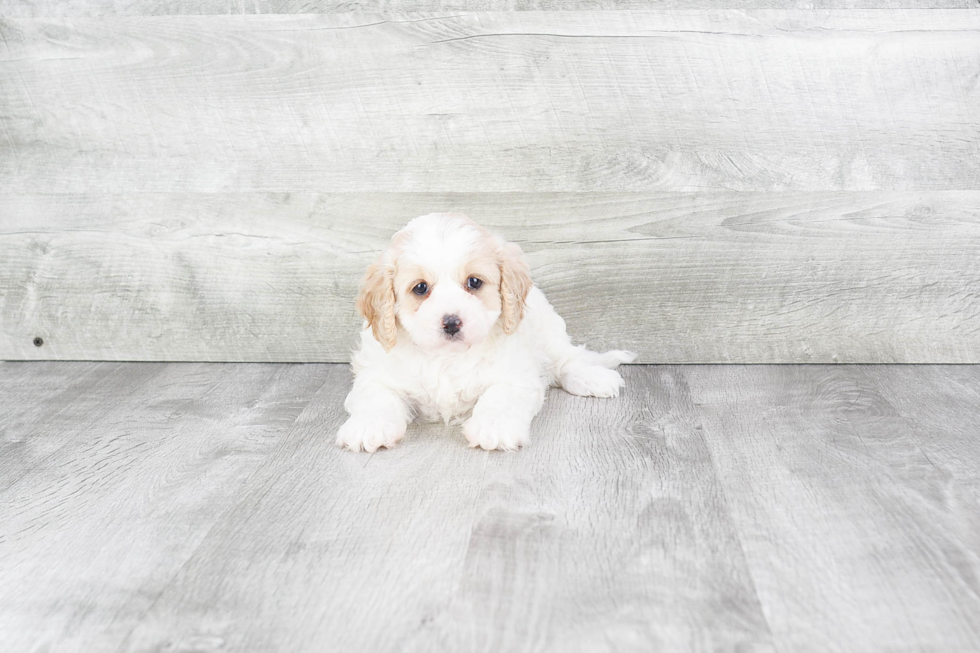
x=734, y=184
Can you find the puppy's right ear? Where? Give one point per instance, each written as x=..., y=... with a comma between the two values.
x=376, y=303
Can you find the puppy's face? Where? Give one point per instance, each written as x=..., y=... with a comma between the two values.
x=447, y=282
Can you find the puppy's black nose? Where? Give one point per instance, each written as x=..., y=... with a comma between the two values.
x=451, y=324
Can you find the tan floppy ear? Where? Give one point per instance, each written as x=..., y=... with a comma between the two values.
x=376, y=303
x=515, y=283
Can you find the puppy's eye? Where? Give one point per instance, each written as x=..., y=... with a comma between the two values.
x=421, y=288
x=473, y=283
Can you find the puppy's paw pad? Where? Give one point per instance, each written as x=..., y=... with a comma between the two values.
x=367, y=434
x=504, y=433
x=592, y=381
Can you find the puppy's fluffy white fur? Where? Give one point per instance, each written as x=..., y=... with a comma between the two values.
x=455, y=328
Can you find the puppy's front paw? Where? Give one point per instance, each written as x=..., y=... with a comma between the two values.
x=592, y=381
x=361, y=433
x=497, y=432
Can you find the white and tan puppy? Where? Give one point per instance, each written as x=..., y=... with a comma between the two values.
x=456, y=328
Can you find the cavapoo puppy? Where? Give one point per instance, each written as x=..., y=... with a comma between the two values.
x=456, y=327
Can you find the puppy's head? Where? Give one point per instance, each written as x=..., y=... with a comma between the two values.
x=447, y=282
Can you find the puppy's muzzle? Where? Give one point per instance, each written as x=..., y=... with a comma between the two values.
x=451, y=324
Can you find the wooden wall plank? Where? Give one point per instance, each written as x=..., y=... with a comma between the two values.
x=679, y=277
x=494, y=101
x=163, y=132
x=95, y=8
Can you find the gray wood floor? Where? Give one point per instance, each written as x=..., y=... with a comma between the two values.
x=203, y=507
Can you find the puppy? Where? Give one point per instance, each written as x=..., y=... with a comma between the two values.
x=455, y=327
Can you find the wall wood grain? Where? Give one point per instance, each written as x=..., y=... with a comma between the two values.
x=504, y=101
x=83, y=8
x=680, y=277
x=701, y=185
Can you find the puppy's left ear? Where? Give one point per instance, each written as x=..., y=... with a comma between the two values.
x=515, y=283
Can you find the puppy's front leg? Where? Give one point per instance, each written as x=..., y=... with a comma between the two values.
x=378, y=417
x=502, y=417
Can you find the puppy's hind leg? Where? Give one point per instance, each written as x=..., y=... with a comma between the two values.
x=579, y=371
x=591, y=374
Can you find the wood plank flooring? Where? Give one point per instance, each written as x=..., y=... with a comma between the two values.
x=203, y=507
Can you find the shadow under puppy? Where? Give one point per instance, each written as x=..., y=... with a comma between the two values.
x=456, y=327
